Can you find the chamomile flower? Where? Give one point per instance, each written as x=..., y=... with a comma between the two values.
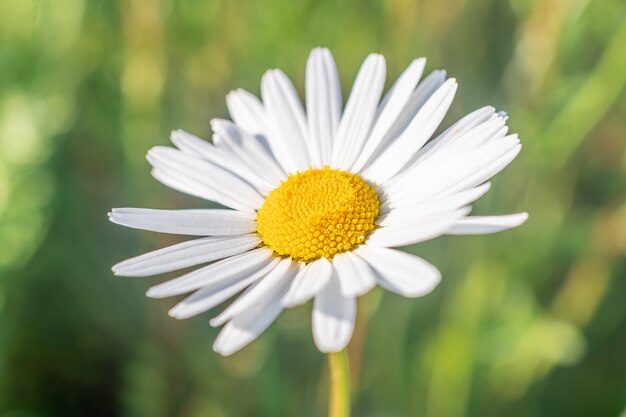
x=317, y=197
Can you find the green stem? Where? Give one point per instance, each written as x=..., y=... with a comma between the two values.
x=339, y=404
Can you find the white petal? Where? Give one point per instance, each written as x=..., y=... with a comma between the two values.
x=216, y=293
x=220, y=184
x=490, y=130
x=455, y=141
x=333, y=317
x=427, y=119
x=323, y=105
x=425, y=89
x=416, y=230
x=242, y=265
x=407, y=213
x=453, y=133
x=309, y=281
x=400, y=272
x=390, y=109
x=270, y=287
x=197, y=222
x=450, y=174
x=480, y=225
x=287, y=123
x=419, y=96
x=244, y=328
x=226, y=157
x=181, y=183
x=491, y=169
x=193, y=145
x=355, y=276
x=186, y=254
x=248, y=150
x=473, y=168
x=359, y=112
x=248, y=112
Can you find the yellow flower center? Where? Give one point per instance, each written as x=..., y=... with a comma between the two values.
x=319, y=212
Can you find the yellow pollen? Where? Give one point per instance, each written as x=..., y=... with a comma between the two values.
x=319, y=212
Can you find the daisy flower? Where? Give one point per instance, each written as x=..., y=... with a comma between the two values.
x=317, y=196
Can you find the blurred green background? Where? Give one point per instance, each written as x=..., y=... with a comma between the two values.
x=531, y=322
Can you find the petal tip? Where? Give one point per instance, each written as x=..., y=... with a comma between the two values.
x=522, y=217
x=153, y=292
x=176, y=313
x=216, y=321
x=223, y=350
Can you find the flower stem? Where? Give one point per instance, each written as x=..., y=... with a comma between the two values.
x=339, y=404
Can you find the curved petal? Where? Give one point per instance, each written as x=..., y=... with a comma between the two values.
x=323, y=105
x=186, y=254
x=400, y=272
x=333, y=317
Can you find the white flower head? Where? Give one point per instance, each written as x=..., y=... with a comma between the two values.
x=318, y=197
